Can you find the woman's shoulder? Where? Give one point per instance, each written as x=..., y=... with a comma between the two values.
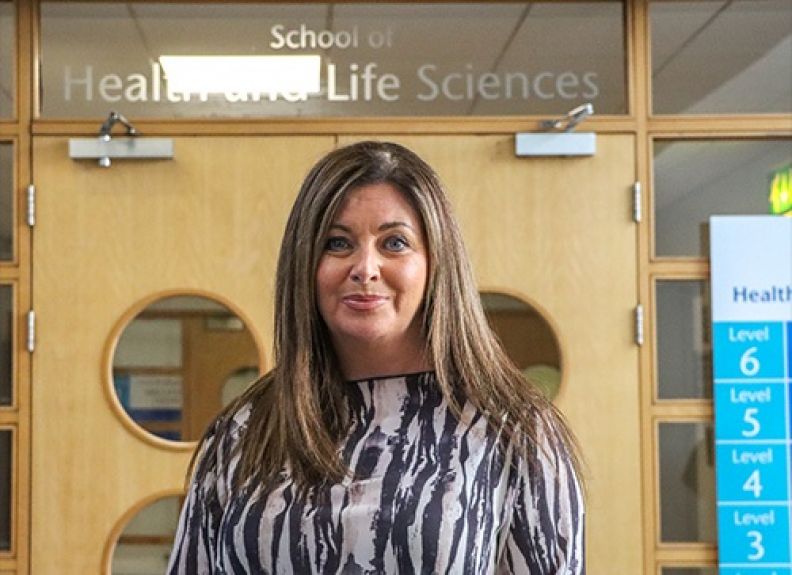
x=544, y=448
x=230, y=425
x=218, y=446
x=238, y=419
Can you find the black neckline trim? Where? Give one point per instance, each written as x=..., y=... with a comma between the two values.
x=393, y=376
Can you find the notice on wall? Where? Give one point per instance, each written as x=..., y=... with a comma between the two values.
x=151, y=397
x=752, y=338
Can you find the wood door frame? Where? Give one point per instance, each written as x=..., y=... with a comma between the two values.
x=639, y=121
x=17, y=273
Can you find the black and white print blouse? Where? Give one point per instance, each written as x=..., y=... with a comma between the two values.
x=430, y=494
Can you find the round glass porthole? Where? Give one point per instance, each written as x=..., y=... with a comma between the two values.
x=146, y=541
x=172, y=361
x=528, y=338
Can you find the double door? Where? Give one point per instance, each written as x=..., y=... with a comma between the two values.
x=555, y=233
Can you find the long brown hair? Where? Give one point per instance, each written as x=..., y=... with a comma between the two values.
x=298, y=415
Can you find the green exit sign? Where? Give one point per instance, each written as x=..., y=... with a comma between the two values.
x=781, y=191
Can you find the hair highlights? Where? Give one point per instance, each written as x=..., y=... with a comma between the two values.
x=298, y=409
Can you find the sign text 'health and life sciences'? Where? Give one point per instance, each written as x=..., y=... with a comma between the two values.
x=347, y=81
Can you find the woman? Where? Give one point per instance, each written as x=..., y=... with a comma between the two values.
x=393, y=434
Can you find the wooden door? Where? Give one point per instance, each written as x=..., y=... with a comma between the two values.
x=558, y=233
x=208, y=221
x=555, y=232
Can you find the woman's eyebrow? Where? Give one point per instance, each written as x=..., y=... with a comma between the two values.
x=390, y=225
x=383, y=227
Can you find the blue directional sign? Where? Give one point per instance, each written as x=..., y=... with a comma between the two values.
x=751, y=260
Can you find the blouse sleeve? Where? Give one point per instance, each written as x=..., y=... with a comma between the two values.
x=195, y=542
x=546, y=534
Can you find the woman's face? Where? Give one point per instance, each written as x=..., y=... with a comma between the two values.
x=372, y=274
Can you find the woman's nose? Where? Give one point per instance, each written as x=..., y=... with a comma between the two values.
x=366, y=267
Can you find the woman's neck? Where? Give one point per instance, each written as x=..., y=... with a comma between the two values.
x=373, y=359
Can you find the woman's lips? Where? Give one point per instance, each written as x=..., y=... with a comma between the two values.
x=364, y=302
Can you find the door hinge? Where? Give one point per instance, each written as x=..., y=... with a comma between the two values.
x=639, y=324
x=31, y=205
x=31, y=333
x=637, y=213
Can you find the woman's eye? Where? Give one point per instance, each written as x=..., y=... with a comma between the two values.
x=336, y=244
x=396, y=243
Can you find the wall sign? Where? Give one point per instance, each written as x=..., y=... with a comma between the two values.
x=752, y=337
x=151, y=397
x=329, y=59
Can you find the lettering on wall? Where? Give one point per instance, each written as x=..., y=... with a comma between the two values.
x=348, y=81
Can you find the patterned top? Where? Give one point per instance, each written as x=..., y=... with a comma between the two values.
x=431, y=494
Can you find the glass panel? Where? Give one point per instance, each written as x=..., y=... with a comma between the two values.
x=145, y=544
x=687, y=482
x=684, y=351
x=690, y=571
x=439, y=59
x=6, y=344
x=7, y=58
x=694, y=180
x=6, y=201
x=238, y=383
x=528, y=339
x=172, y=362
x=5, y=488
x=150, y=342
x=738, y=52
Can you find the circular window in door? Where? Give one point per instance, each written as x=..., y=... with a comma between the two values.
x=528, y=338
x=170, y=362
x=142, y=541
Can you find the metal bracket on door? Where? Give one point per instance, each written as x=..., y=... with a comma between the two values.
x=105, y=148
x=558, y=139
